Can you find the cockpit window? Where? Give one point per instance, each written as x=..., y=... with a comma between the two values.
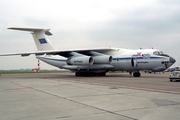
x=161, y=52
x=158, y=53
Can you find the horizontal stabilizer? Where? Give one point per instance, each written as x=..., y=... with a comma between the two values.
x=32, y=30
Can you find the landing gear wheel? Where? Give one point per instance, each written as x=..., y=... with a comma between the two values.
x=102, y=74
x=89, y=74
x=78, y=74
x=137, y=74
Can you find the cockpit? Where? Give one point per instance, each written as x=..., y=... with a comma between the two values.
x=160, y=53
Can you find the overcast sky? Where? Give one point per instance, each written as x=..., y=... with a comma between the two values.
x=89, y=24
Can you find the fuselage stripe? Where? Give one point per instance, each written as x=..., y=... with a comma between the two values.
x=128, y=58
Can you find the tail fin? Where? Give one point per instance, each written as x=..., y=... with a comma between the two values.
x=42, y=43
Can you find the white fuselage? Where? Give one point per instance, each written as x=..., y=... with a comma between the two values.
x=123, y=59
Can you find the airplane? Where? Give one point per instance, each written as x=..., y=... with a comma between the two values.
x=95, y=61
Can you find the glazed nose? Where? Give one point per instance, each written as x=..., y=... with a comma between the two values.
x=172, y=60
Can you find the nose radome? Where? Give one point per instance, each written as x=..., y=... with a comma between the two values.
x=172, y=60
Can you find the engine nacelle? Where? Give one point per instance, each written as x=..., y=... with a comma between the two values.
x=105, y=59
x=80, y=60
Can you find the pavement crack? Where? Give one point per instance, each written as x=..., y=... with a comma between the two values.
x=111, y=112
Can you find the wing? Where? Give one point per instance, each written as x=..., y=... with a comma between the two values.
x=65, y=53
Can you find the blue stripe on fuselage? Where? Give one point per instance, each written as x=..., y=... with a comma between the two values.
x=128, y=58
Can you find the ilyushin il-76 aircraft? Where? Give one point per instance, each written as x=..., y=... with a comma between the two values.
x=97, y=61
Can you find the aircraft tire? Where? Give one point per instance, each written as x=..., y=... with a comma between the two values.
x=137, y=74
x=134, y=74
x=78, y=74
x=102, y=74
x=86, y=74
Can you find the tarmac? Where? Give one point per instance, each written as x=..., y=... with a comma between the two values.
x=62, y=96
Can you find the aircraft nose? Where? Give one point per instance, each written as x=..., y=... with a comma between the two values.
x=172, y=60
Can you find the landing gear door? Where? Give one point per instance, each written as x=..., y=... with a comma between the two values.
x=134, y=62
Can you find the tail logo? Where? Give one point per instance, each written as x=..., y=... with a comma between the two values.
x=42, y=41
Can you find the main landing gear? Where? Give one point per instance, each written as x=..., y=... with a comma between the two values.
x=136, y=74
x=88, y=74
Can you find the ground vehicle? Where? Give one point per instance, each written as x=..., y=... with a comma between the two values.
x=175, y=75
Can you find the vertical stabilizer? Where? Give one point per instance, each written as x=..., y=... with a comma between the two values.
x=41, y=41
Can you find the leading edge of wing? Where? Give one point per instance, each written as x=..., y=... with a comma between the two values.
x=55, y=52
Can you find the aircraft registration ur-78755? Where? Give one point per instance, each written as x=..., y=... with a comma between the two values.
x=97, y=61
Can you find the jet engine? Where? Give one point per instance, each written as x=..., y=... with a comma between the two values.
x=80, y=60
x=105, y=59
